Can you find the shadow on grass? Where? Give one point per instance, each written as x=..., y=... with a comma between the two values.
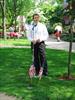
x=14, y=79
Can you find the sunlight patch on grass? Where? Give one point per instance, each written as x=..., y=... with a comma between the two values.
x=15, y=42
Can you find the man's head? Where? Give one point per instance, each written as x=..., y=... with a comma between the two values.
x=36, y=18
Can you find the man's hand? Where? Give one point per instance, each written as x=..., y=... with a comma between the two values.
x=38, y=41
x=34, y=42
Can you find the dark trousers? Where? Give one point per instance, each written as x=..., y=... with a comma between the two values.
x=32, y=46
x=40, y=57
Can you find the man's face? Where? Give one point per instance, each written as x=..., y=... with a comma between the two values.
x=36, y=18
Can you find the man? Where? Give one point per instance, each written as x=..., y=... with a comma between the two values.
x=57, y=32
x=37, y=35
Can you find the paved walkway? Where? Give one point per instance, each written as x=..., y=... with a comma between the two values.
x=6, y=97
x=62, y=45
x=51, y=43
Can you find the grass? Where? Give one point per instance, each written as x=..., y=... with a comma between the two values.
x=14, y=79
x=15, y=42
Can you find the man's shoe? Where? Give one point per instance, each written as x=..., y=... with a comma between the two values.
x=45, y=74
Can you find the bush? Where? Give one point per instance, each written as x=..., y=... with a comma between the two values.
x=67, y=37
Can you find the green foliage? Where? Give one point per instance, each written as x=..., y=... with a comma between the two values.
x=67, y=37
x=22, y=8
x=52, y=10
x=53, y=13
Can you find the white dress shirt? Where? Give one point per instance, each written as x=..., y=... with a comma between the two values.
x=35, y=32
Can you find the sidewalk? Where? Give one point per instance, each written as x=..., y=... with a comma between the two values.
x=6, y=97
x=50, y=43
x=62, y=45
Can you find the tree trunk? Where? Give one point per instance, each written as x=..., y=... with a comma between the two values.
x=15, y=14
x=3, y=19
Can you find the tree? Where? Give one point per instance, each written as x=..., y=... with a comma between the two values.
x=69, y=11
x=3, y=7
x=72, y=15
x=51, y=10
x=14, y=8
x=17, y=7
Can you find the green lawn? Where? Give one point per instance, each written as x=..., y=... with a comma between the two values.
x=14, y=79
x=14, y=42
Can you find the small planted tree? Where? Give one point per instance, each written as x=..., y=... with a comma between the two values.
x=69, y=10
